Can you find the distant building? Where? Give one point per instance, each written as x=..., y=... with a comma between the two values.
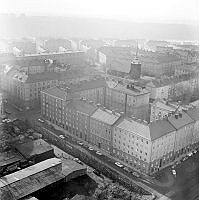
x=175, y=86
x=153, y=44
x=35, y=150
x=26, y=46
x=101, y=128
x=73, y=58
x=53, y=45
x=126, y=43
x=90, y=48
x=24, y=89
x=159, y=64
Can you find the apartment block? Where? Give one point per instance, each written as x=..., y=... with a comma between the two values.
x=101, y=128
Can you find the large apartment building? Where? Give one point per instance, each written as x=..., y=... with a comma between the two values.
x=149, y=147
x=72, y=115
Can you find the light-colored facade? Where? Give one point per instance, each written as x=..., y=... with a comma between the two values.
x=101, y=129
x=194, y=114
x=159, y=64
x=145, y=147
x=176, y=86
x=184, y=126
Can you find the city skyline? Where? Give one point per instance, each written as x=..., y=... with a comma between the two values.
x=136, y=11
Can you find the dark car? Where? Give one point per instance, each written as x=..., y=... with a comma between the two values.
x=96, y=172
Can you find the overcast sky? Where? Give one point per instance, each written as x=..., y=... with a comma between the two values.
x=136, y=10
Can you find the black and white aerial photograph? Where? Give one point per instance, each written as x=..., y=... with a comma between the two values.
x=99, y=100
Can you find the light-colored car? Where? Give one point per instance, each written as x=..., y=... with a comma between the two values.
x=76, y=159
x=61, y=136
x=136, y=174
x=98, y=153
x=40, y=120
x=90, y=148
x=173, y=172
x=194, y=151
x=119, y=164
x=190, y=154
x=80, y=143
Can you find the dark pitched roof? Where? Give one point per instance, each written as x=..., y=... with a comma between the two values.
x=180, y=122
x=33, y=148
x=87, y=84
x=82, y=106
x=160, y=128
x=33, y=78
x=193, y=113
x=55, y=91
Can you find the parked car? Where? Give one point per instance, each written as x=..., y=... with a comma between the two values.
x=77, y=160
x=98, y=153
x=96, y=172
x=40, y=120
x=80, y=143
x=61, y=136
x=194, y=151
x=119, y=164
x=190, y=154
x=173, y=172
x=90, y=148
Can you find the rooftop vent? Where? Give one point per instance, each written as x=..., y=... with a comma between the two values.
x=176, y=116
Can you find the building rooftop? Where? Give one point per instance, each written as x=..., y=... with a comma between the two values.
x=193, y=113
x=195, y=103
x=180, y=121
x=29, y=171
x=136, y=127
x=26, y=181
x=33, y=148
x=87, y=84
x=133, y=91
x=164, y=106
x=82, y=106
x=39, y=77
x=56, y=92
x=105, y=116
x=150, y=131
x=54, y=53
x=9, y=157
x=160, y=128
x=158, y=58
